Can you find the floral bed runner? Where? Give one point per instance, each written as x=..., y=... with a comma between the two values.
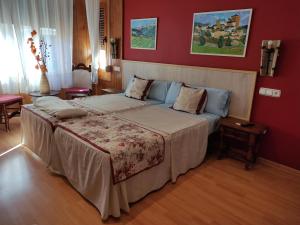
x=132, y=148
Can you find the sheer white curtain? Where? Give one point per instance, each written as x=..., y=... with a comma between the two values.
x=53, y=21
x=92, y=12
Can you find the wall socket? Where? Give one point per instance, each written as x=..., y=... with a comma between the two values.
x=276, y=93
x=116, y=68
x=270, y=92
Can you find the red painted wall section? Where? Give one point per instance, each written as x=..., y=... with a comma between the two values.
x=278, y=19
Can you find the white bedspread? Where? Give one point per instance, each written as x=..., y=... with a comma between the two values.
x=88, y=169
x=110, y=103
x=52, y=104
x=37, y=134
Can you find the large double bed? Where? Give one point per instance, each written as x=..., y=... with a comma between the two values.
x=126, y=148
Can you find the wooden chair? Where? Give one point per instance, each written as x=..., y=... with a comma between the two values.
x=81, y=80
x=7, y=108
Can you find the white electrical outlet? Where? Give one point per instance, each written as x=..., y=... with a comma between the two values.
x=270, y=92
x=262, y=91
x=276, y=93
x=117, y=68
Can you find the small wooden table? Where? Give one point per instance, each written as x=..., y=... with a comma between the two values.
x=37, y=94
x=241, y=141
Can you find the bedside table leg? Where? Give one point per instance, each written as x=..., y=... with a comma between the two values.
x=220, y=155
x=250, y=157
x=221, y=147
x=6, y=119
x=257, y=146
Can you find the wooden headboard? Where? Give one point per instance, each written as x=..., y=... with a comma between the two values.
x=241, y=83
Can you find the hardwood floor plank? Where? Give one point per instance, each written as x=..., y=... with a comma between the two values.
x=12, y=138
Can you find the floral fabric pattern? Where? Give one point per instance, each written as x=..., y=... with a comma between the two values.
x=132, y=148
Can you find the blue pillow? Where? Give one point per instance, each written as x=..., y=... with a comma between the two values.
x=217, y=101
x=159, y=90
x=129, y=83
x=173, y=92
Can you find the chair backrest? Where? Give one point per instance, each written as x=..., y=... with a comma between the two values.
x=82, y=76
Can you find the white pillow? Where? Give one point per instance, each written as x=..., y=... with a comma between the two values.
x=191, y=100
x=70, y=113
x=138, y=89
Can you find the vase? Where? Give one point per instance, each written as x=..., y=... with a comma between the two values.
x=44, y=84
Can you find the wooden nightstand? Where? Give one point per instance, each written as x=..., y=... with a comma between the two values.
x=105, y=91
x=37, y=94
x=240, y=142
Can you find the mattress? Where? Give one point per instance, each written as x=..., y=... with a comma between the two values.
x=88, y=169
x=212, y=119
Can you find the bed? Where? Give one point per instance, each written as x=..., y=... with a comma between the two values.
x=82, y=150
x=38, y=126
x=89, y=170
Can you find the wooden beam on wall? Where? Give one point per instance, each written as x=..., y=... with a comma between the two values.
x=81, y=41
x=116, y=31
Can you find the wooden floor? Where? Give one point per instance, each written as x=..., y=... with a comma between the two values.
x=216, y=193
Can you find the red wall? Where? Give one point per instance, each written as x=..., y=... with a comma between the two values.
x=278, y=19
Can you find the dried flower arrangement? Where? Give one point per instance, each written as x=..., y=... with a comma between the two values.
x=43, y=55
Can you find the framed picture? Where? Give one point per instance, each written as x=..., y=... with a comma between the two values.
x=143, y=33
x=222, y=33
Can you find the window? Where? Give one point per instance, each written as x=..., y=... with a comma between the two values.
x=103, y=39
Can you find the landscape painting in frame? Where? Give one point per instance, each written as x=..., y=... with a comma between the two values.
x=223, y=33
x=143, y=33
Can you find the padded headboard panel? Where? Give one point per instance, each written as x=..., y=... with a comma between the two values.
x=241, y=83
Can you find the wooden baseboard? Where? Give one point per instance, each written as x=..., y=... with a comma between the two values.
x=278, y=166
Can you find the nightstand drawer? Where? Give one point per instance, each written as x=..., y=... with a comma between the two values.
x=235, y=134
